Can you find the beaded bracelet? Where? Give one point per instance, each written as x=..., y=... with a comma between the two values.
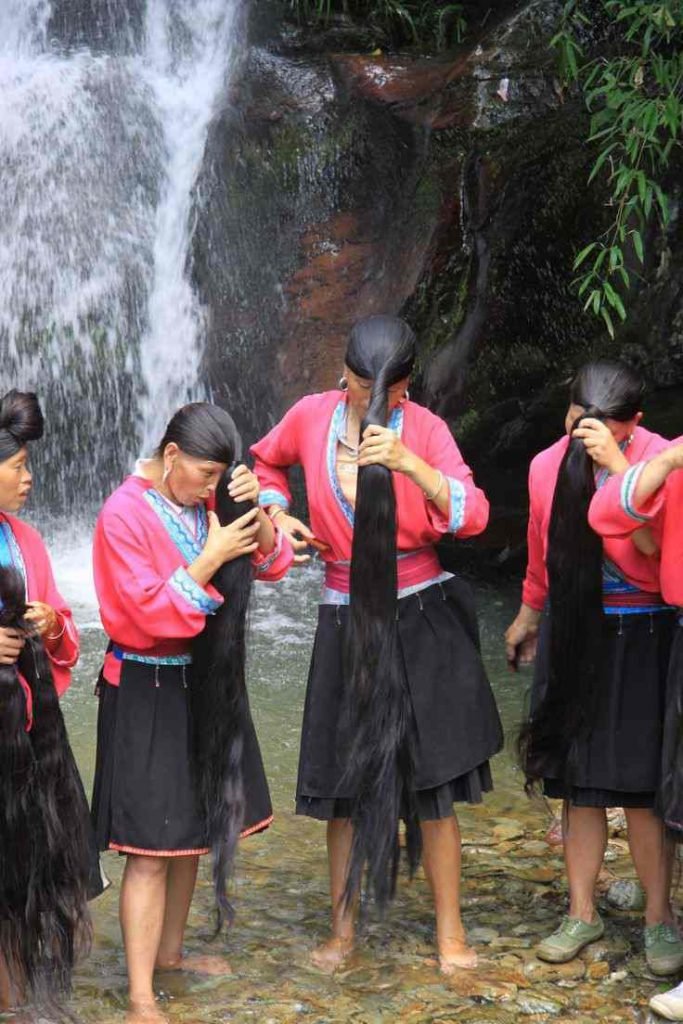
x=432, y=497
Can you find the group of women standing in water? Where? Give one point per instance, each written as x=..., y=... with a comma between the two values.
x=399, y=719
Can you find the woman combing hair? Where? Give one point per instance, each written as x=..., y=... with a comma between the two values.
x=399, y=720
x=179, y=771
x=594, y=733
x=48, y=866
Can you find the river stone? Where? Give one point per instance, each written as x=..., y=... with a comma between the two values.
x=482, y=935
x=626, y=894
x=532, y=1005
x=538, y=970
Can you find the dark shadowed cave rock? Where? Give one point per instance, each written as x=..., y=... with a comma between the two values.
x=451, y=188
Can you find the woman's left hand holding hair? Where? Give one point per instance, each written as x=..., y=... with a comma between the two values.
x=44, y=617
x=244, y=485
x=383, y=447
x=601, y=445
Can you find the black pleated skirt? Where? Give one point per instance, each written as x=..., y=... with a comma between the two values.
x=457, y=727
x=144, y=799
x=669, y=803
x=618, y=762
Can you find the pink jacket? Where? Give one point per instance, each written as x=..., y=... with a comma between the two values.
x=41, y=587
x=615, y=516
x=307, y=436
x=639, y=569
x=149, y=603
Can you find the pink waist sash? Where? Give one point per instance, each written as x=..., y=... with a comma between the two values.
x=414, y=567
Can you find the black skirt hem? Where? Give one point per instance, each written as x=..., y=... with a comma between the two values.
x=433, y=804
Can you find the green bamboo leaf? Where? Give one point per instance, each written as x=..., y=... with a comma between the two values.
x=638, y=245
x=581, y=256
x=604, y=313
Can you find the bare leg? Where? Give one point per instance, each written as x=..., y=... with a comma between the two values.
x=180, y=883
x=653, y=859
x=441, y=857
x=333, y=952
x=141, y=907
x=8, y=997
x=585, y=840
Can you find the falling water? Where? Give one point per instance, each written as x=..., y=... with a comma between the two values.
x=100, y=148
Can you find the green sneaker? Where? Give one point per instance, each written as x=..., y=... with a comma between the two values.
x=663, y=949
x=569, y=939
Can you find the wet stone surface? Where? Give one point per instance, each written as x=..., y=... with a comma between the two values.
x=513, y=887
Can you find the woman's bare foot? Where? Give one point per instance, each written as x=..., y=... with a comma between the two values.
x=332, y=954
x=213, y=966
x=555, y=836
x=456, y=954
x=145, y=1013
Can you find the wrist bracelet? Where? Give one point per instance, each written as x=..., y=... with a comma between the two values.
x=278, y=510
x=431, y=497
x=57, y=636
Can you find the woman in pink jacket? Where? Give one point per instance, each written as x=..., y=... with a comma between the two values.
x=597, y=709
x=399, y=719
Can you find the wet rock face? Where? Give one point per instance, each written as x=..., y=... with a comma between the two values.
x=112, y=25
x=340, y=182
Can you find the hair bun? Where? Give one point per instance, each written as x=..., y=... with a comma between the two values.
x=21, y=416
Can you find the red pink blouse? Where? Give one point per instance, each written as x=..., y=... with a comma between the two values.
x=29, y=555
x=308, y=435
x=623, y=561
x=615, y=515
x=150, y=606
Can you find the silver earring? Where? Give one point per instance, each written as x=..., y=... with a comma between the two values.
x=343, y=384
x=406, y=396
x=167, y=473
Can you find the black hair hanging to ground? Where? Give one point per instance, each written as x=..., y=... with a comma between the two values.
x=44, y=826
x=378, y=713
x=220, y=708
x=564, y=713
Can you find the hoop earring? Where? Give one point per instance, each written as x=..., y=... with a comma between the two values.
x=343, y=384
x=406, y=396
x=166, y=474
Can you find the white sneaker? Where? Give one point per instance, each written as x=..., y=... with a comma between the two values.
x=669, y=1004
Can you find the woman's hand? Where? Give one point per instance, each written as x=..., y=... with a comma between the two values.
x=297, y=533
x=382, y=447
x=521, y=638
x=225, y=543
x=11, y=645
x=601, y=445
x=44, y=617
x=244, y=485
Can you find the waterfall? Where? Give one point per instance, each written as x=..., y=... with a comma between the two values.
x=100, y=149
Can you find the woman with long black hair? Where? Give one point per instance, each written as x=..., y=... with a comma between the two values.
x=399, y=720
x=597, y=709
x=179, y=771
x=45, y=854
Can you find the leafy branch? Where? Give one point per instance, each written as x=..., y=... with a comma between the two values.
x=635, y=99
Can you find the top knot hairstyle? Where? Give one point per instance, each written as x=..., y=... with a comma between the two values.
x=44, y=831
x=21, y=421
x=605, y=390
x=378, y=715
x=218, y=696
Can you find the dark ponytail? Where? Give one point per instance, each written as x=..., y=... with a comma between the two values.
x=605, y=390
x=21, y=421
x=44, y=851
x=219, y=705
x=378, y=713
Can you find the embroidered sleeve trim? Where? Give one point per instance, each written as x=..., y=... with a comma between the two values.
x=265, y=565
x=458, y=494
x=183, y=584
x=272, y=497
x=628, y=487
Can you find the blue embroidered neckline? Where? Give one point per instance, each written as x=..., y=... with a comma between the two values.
x=337, y=426
x=10, y=552
x=189, y=546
